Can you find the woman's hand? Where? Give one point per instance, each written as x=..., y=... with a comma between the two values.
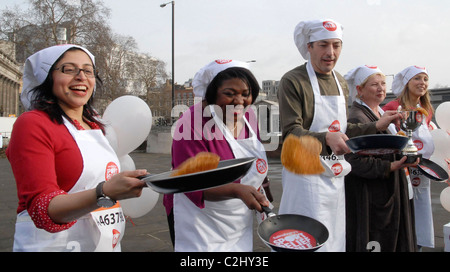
x=68, y=207
x=125, y=185
x=247, y=193
x=388, y=118
x=395, y=165
x=252, y=198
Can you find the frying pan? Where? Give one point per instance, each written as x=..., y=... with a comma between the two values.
x=377, y=144
x=432, y=170
x=227, y=171
x=275, y=225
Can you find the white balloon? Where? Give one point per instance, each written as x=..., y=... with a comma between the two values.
x=441, y=141
x=140, y=206
x=445, y=198
x=441, y=161
x=443, y=115
x=111, y=136
x=131, y=119
x=127, y=163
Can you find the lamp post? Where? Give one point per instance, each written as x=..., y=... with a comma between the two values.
x=173, y=50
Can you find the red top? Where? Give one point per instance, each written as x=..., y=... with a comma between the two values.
x=190, y=139
x=46, y=162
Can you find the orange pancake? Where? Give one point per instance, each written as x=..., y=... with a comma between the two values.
x=203, y=161
x=301, y=155
x=422, y=110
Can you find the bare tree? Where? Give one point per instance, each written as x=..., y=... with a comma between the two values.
x=83, y=22
x=114, y=58
x=40, y=26
x=150, y=71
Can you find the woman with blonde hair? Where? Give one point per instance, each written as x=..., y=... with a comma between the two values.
x=411, y=88
x=378, y=207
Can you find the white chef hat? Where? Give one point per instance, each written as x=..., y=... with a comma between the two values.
x=315, y=30
x=402, y=78
x=206, y=74
x=37, y=67
x=357, y=76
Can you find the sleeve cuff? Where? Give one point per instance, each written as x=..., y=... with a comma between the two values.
x=39, y=213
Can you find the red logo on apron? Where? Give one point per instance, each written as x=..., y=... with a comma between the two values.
x=261, y=166
x=329, y=25
x=111, y=170
x=116, y=236
x=418, y=144
x=337, y=168
x=415, y=181
x=419, y=117
x=335, y=126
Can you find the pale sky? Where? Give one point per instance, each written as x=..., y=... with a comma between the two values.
x=390, y=34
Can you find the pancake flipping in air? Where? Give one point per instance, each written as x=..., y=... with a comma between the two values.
x=301, y=155
x=203, y=161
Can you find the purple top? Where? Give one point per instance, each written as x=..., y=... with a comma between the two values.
x=204, y=138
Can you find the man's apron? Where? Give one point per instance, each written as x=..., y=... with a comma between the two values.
x=102, y=229
x=225, y=225
x=421, y=186
x=322, y=197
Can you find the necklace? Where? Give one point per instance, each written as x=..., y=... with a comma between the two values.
x=80, y=127
x=235, y=126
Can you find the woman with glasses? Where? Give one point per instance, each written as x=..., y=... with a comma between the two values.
x=61, y=159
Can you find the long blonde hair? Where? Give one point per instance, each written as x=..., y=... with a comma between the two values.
x=424, y=100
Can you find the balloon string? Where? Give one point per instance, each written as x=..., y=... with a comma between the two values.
x=131, y=221
x=448, y=167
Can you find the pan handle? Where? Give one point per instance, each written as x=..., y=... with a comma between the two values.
x=143, y=178
x=268, y=211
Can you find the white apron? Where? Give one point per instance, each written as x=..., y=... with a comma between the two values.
x=322, y=197
x=102, y=229
x=225, y=225
x=421, y=186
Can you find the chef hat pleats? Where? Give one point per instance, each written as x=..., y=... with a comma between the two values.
x=402, y=78
x=37, y=67
x=206, y=74
x=357, y=76
x=315, y=30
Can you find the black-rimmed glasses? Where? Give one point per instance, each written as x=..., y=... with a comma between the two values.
x=72, y=70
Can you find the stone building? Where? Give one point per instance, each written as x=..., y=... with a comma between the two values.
x=10, y=81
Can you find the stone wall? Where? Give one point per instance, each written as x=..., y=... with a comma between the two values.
x=159, y=140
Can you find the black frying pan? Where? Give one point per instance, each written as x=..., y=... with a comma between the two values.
x=227, y=171
x=286, y=232
x=432, y=170
x=377, y=144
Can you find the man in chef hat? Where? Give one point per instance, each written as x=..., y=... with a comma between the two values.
x=312, y=101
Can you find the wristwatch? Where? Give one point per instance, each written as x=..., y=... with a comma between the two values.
x=103, y=200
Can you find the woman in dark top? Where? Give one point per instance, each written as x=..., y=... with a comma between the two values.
x=379, y=211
